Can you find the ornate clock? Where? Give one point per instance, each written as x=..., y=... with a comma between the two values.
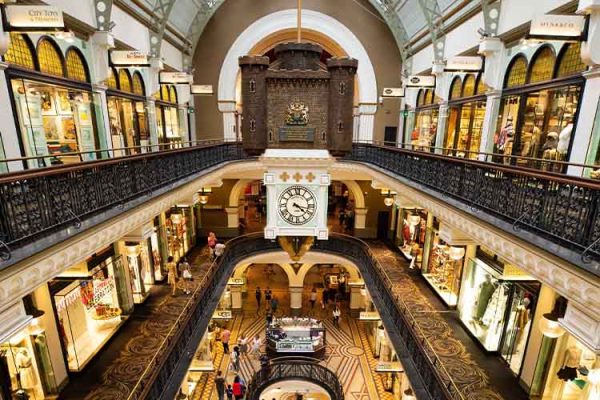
x=297, y=205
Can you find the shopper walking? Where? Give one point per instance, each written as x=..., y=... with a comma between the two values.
x=229, y=392
x=225, y=335
x=269, y=317
x=239, y=389
x=235, y=359
x=172, y=275
x=258, y=294
x=313, y=298
x=186, y=274
x=336, y=316
x=243, y=344
x=274, y=304
x=220, y=385
x=212, y=243
x=256, y=343
x=268, y=294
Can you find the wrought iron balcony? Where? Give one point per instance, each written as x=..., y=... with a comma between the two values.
x=544, y=208
x=295, y=368
x=426, y=372
x=61, y=200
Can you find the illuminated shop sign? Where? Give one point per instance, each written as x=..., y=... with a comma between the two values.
x=34, y=18
x=393, y=92
x=222, y=314
x=388, y=366
x=369, y=316
x=558, y=27
x=129, y=58
x=236, y=281
x=464, y=63
x=206, y=90
x=420, y=81
x=175, y=77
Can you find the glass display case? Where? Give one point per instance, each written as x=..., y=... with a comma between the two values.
x=296, y=335
x=444, y=269
x=426, y=122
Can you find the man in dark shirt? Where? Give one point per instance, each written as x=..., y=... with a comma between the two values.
x=220, y=385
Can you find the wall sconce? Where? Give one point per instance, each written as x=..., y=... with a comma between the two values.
x=133, y=250
x=203, y=195
x=549, y=322
x=389, y=197
x=456, y=253
x=414, y=219
x=176, y=216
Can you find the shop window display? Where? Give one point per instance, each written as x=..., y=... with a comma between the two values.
x=539, y=109
x=426, y=121
x=89, y=313
x=444, y=268
x=167, y=117
x=25, y=365
x=414, y=228
x=496, y=304
x=140, y=270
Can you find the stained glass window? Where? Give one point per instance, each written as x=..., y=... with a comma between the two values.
x=19, y=51
x=49, y=58
x=164, y=92
x=76, y=69
x=111, y=81
x=172, y=94
x=138, y=84
x=480, y=86
x=429, y=96
x=542, y=66
x=420, y=97
x=455, y=88
x=469, y=86
x=570, y=60
x=517, y=72
x=124, y=80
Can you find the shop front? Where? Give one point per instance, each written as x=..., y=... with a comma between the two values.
x=91, y=301
x=466, y=112
x=412, y=233
x=293, y=336
x=26, y=370
x=179, y=228
x=497, y=302
x=168, y=119
x=127, y=112
x=539, y=107
x=427, y=114
x=53, y=103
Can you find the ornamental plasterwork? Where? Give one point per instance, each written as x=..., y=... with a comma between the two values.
x=561, y=276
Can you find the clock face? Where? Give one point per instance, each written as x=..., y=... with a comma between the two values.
x=297, y=205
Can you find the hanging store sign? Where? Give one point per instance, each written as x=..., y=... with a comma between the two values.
x=34, y=18
x=369, y=316
x=222, y=314
x=464, y=63
x=236, y=281
x=175, y=77
x=388, y=366
x=129, y=58
x=205, y=90
x=420, y=81
x=392, y=92
x=558, y=27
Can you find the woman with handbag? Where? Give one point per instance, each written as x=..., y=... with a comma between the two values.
x=186, y=274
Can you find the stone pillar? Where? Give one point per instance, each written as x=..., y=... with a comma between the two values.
x=401, y=120
x=296, y=299
x=356, y=297
x=441, y=128
x=102, y=119
x=9, y=132
x=355, y=123
x=236, y=297
x=492, y=108
x=366, y=123
x=227, y=107
x=152, y=124
x=360, y=218
x=232, y=217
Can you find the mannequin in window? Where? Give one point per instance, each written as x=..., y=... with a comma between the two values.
x=564, y=139
x=501, y=137
x=25, y=367
x=486, y=289
x=568, y=372
x=508, y=146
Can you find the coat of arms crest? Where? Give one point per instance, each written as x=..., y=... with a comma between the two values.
x=297, y=114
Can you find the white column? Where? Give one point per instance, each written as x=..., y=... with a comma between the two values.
x=100, y=93
x=152, y=123
x=227, y=107
x=192, y=120
x=441, y=127
x=586, y=121
x=366, y=123
x=356, y=297
x=296, y=297
x=360, y=218
x=236, y=297
x=233, y=217
x=401, y=119
x=8, y=130
x=101, y=43
x=492, y=108
x=355, y=123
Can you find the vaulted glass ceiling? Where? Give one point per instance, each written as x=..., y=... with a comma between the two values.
x=408, y=20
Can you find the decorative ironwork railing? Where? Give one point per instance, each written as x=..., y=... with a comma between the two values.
x=36, y=203
x=295, y=368
x=162, y=377
x=562, y=209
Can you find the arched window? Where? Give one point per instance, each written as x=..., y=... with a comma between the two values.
x=429, y=96
x=420, y=97
x=569, y=60
x=164, y=92
x=480, y=85
x=50, y=58
x=455, y=88
x=468, y=88
x=516, y=74
x=172, y=94
x=76, y=67
x=542, y=66
x=20, y=51
x=138, y=84
x=111, y=81
x=124, y=80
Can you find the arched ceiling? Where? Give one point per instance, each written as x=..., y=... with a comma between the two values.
x=412, y=22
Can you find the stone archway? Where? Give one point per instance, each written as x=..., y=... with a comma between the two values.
x=285, y=20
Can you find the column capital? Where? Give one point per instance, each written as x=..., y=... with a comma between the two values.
x=99, y=87
x=490, y=94
x=490, y=45
x=361, y=211
x=588, y=6
x=367, y=108
x=226, y=106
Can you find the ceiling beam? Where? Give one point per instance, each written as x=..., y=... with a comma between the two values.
x=435, y=22
x=160, y=16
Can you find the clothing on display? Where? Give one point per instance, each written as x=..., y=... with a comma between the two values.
x=569, y=370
